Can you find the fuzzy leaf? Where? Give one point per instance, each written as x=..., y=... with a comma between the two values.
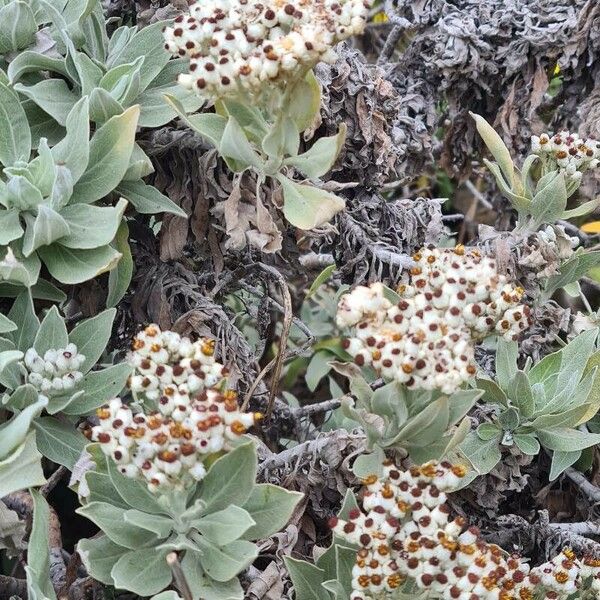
x=91, y=337
x=52, y=96
x=561, y=461
x=17, y=26
x=119, y=278
x=222, y=563
x=161, y=526
x=142, y=572
x=59, y=441
x=22, y=469
x=564, y=439
x=204, y=588
x=306, y=579
x=15, y=142
x=550, y=199
x=23, y=315
x=48, y=227
x=52, y=334
x=527, y=443
x=519, y=391
x=10, y=226
x=483, y=455
x=305, y=101
x=506, y=362
x=225, y=526
x=99, y=556
x=146, y=199
x=235, y=145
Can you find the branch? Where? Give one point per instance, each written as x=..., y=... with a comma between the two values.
x=10, y=586
x=588, y=489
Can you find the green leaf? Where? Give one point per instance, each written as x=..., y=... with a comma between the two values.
x=106, y=220
x=110, y=150
x=38, y=549
x=249, y=117
x=235, y=145
x=52, y=96
x=483, y=455
x=99, y=387
x=204, y=588
x=497, y=147
x=139, y=166
x=6, y=324
x=320, y=279
x=307, y=207
x=142, y=572
x=52, y=334
x=317, y=368
x=103, y=106
x=564, y=439
x=23, y=315
x=119, y=278
x=101, y=489
x=571, y=270
x=16, y=430
x=146, y=199
x=230, y=479
x=16, y=268
x=22, y=469
x=270, y=507
x=519, y=391
x=76, y=266
x=322, y=155
x=15, y=142
x=161, y=526
x=42, y=290
x=550, y=199
x=506, y=362
x=306, y=579
x=154, y=110
x=509, y=419
x=282, y=139
x=91, y=337
x=10, y=226
x=32, y=62
x=18, y=26
x=527, y=443
x=561, y=461
x=59, y=441
x=47, y=228
x=305, y=101
x=369, y=464
x=488, y=431
x=582, y=209
x=225, y=526
x=222, y=563
x=492, y=392
x=111, y=520
x=74, y=149
x=99, y=556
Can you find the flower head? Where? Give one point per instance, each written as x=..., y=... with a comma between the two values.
x=54, y=373
x=236, y=45
x=454, y=298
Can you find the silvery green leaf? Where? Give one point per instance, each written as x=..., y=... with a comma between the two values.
x=520, y=203
x=38, y=549
x=574, y=357
x=87, y=72
x=149, y=43
x=111, y=521
x=561, y=461
x=51, y=95
x=571, y=270
x=73, y=150
x=488, y=431
x=210, y=126
x=17, y=26
x=525, y=179
x=41, y=124
x=23, y=315
x=230, y=479
x=72, y=266
x=42, y=290
x=497, y=147
x=307, y=579
x=10, y=376
x=546, y=371
x=157, y=524
x=91, y=337
x=460, y=403
x=135, y=493
x=582, y=209
x=317, y=368
x=307, y=207
x=103, y=106
x=15, y=143
x=12, y=532
x=22, y=469
x=14, y=267
x=564, y=439
x=15, y=431
x=52, y=333
x=106, y=220
x=101, y=489
x=520, y=393
x=168, y=595
x=550, y=199
x=33, y=62
x=118, y=41
x=427, y=426
x=110, y=150
x=61, y=442
x=57, y=403
x=249, y=117
x=204, y=588
x=389, y=401
x=224, y=526
x=527, y=443
x=8, y=358
x=99, y=555
x=146, y=199
x=99, y=386
x=10, y=226
x=120, y=277
x=63, y=188
x=345, y=559
x=271, y=507
x=237, y=149
x=43, y=169
x=483, y=455
x=117, y=80
x=282, y=139
x=22, y=194
x=506, y=362
x=222, y=563
x=509, y=419
x=140, y=165
x=369, y=464
x=304, y=101
x=156, y=112
x=6, y=325
x=142, y=572
x=47, y=227
x=93, y=29
x=568, y=418
x=321, y=156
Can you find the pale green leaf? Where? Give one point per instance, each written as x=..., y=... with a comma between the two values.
x=306, y=579
x=225, y=526
x=146, y=199
x=61, y=442
x=48, y=227
x=15, y=142
x=10, y=226
x=119, y=278
x=222, y=563
x=91, y=337
x=99, y=556
x=52, y=334
x=142, y=572
x=22, y=469
x=52, y=96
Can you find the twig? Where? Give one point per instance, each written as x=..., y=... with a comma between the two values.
x=315, y=409
x=179, y=576
x=588, y=489
x=400, y=26
x=53, y=481
x=583, y=528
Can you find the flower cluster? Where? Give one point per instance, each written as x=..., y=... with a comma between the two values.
x=56, y=372
x=194, y=419
x=236, y=45
x=454, y=298
x=169, y=369
x=567, y=152
x=405, y=531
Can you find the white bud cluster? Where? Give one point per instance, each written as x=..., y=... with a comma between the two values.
x=567, y=152
x=238, y=45
x=454, y=298
x=405, y=532
x=169, y=368
x=168, y=451
x=56, y=372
